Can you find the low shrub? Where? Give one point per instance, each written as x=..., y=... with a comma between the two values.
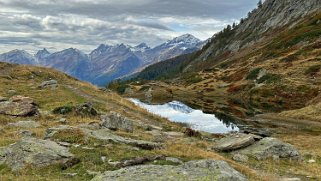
x=269, y=78
x=253, y=74
x=313, y=70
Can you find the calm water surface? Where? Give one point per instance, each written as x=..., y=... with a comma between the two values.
x=178, y=112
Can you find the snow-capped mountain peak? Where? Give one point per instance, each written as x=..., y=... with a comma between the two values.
x=141, y=48
x=186, y=39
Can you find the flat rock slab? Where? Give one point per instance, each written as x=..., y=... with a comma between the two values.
x=50, y=132
x=108, y=136
x=18, y=106
x=50, y=83
x=34, y=152
x=234, y=142
x=25, y=124
x=270, y=148
x=193, y=170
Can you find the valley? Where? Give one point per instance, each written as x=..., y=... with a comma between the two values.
x=243, y=105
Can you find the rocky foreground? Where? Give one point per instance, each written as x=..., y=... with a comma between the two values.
x=62, y=129
x=52, y=149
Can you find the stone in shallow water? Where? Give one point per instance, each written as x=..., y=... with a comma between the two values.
x=271, y=148
x=193, y=170
x=34, y=152
x=233, y=142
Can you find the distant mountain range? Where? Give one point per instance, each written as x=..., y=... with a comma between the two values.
x=106, y=62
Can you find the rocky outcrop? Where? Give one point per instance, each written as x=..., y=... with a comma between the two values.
x=36, y=153
x=139, y=161
x=107, y=136
x=193, y=170
x=234, y=142
x=115, y=121
x=86, y=109
x=25, y=124
x=18, y=106
x=50, y=132
x=50, y=84
x=263, y=132
x=270, y=148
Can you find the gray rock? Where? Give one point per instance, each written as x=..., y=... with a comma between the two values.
x=50, y=84
x=233, y=142
x=91, y=126
x=25, y=124
x=18, y=106
x=107, y=136
x=270, y=148
x=34, y=152
x=64, y=144
x=70, y=174
x=174, y=160
x=50, y=132
x=115, y=121
x=26, y=133
x=92, y=173
x=263, y=132
x=62, y=121
x=193, y=170
x=240, y=158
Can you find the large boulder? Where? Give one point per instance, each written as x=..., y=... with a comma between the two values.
x=25, y=124
x=270, y=148
x=107, y=136
x=115, y=121
x=233, y=142
x=50, y=84
x=18, y=106
x=193, y=170
x=34, y=152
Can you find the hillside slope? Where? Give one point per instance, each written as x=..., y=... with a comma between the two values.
x=64, y=126
x=275, y=67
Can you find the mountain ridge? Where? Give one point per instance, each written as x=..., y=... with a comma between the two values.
x=106, y=62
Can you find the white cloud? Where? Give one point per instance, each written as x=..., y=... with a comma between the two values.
x=85, y=24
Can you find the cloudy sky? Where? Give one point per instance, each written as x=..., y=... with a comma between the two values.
x=84, y=24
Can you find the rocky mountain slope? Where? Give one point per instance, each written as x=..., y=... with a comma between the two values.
x=270, y=62
x=107, y=62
